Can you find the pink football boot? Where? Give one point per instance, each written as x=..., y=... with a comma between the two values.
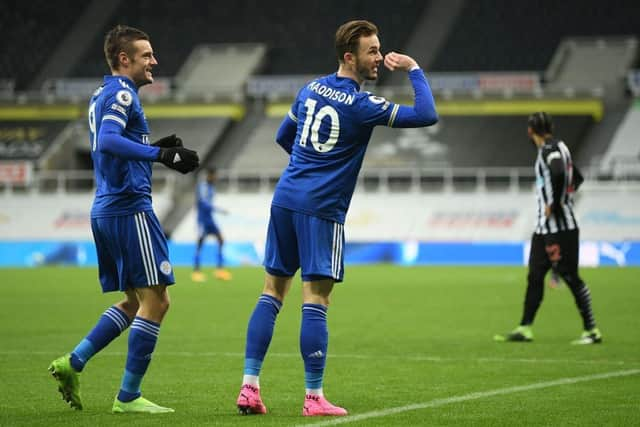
x=249, y=401
x=315, y=405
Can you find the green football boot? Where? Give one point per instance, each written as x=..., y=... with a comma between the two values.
x=519, y=334
x=592, y=336
x=139, y=405
x=68, y=380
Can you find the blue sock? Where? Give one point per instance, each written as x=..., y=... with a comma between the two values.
x=220, y=258
x=142, y=340
x=314, y=340
x=259, y=333
x=110, y=325
x=196, y=260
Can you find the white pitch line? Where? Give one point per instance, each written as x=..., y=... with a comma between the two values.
x=406, y=358
x=472, y=396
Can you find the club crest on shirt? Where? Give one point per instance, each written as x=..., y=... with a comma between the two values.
x=165, y=267
x=124, y=98
x=377, y=99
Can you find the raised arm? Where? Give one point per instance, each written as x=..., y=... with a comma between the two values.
x=423, y=112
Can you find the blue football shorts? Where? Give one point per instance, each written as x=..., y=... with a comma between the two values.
x=296, y=240
x=132, y=252
x=207, y=226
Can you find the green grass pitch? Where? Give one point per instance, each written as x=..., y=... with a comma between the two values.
x=398, y=336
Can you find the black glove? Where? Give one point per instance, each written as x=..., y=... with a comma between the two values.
x=179, y=158
x=168, y=142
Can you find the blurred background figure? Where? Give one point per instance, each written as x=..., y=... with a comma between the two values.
x=205, y=194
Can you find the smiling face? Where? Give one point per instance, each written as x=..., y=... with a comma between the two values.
x=368, y=58
x=139, y=66
x=128, y=52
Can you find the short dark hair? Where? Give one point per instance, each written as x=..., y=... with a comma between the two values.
x=120, y=39
x=540, y=123
x=348, y=36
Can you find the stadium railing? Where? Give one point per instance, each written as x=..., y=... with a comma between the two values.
x=494, y=179
x=74, y=181
x=502, y=85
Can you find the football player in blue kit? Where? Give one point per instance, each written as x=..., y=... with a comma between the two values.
x=326, y=133
x=131, y=247
x=205, y=194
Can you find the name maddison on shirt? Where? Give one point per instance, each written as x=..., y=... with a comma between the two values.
x=332, y=94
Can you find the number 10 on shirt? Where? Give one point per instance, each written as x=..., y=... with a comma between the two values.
x=314, y=120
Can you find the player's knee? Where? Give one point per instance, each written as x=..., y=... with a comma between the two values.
x=574, y=282
x=277, y=293
x=276, y=286
x=316, y=299
x=130, y=307
x=160, y=306
x=317, y=291
x=572, y=277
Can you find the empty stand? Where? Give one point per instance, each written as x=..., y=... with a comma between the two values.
x=219, y=70
x=29, y=31
x=467, y=141
x=622, y=157
x=299, y=35
x=591, y=63
x=261, y=151
x=199, y=134
x=456, y=141
x=27, y=139
x=493, y=35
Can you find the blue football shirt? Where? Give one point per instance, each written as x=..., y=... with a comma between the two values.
x=123, y=185
x=334, y=121
x=204, y=200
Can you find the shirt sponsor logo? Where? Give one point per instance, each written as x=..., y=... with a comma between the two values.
x=118, y=108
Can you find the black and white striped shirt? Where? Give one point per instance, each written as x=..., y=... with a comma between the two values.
x=555, y=186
